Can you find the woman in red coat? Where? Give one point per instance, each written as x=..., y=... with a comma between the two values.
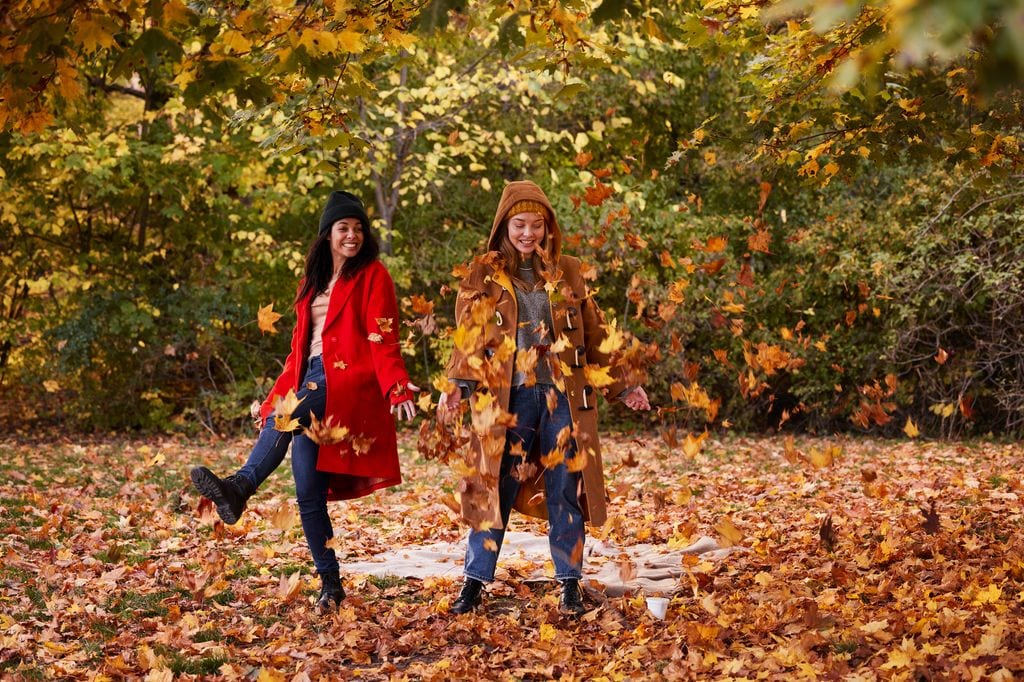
x=345, y=371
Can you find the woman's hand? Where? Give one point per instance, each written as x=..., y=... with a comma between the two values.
x=636, y=399
x=447, y=404
x=254, y=412
x=407, y=408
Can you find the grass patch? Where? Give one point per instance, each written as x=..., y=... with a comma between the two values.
x=44, y=544
x=845, y=647
x=211, y=635
x=245, y=570
x=184, y=665
x=13, y=665
x=224, y=598
x=35, y=595
x=136, y=605
x=384, y=582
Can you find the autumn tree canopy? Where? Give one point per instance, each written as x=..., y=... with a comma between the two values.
x=804, y=213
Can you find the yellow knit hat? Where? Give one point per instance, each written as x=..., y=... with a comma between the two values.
x=527, y=206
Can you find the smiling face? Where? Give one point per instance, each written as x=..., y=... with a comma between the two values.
x=526, y=231
x=346, y=240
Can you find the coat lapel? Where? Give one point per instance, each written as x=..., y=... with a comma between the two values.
x=340, y=295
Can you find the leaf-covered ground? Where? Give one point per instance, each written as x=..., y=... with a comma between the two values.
x=863, y=559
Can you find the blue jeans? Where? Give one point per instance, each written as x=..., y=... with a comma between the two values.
x=565, y=518
x=310, y=484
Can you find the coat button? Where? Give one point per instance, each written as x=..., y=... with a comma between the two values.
x=572, y=394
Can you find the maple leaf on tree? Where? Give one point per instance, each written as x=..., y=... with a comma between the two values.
x=266, y=317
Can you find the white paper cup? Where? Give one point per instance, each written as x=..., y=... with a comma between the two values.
x=657, y=606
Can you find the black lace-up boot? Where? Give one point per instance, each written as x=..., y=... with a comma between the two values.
x=469, y=598
x=331, y=592
x=228, y=494
x=571, y=601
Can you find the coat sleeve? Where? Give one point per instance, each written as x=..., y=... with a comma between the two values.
x=594, y=332
x=289, y=377
x=383, y=325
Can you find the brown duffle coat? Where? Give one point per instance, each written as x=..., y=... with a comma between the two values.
x=487, y=316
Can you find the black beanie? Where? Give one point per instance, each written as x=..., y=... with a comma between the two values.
x=341, y=205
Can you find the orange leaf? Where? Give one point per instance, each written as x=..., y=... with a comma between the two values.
x=266, y=317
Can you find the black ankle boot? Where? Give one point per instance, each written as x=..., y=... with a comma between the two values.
x=331, y=592
x=469, y=598
x=571, y=601
x=228, y=494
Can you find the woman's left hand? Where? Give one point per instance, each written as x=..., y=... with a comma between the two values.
x=407, y=408
x=636, y=399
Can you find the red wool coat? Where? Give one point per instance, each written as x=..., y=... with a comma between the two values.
x=362, y=363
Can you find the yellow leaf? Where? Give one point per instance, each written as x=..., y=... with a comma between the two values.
x=235, y=41
x=51, y=386
x=910, y=428
x=989, y=595
x=710, y=158
x=598, y=377
x=350, y=41
x=92, y=35
x=731, y=535
x=693, y=444
x=822, y=458
x=283, y=408
x=613, y=341
x=385, y=324
x=677, y=290
x=266, y=317
x=548, y=632
x=283, y=518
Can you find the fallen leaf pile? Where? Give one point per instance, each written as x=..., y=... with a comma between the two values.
x=885, y=559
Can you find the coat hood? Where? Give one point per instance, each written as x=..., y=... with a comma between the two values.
x=524, y=190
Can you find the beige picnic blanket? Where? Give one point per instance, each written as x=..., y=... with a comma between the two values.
x=651, y=569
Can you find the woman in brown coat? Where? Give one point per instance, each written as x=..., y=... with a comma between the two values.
x=528, y=355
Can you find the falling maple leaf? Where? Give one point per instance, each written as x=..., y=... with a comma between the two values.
x=266, y=317
x=613, y=340
x=597, y=193
x=827, y=533
x=598, y=376
x=910, y=428
x=931, y=520
x=284, y=406
x=385, y=324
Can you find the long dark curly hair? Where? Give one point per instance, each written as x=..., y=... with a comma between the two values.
x=320, y=265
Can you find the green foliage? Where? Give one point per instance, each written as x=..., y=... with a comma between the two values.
x=767, y=209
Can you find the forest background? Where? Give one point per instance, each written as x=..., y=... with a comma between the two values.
x=803, y=215
x=804, y=219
